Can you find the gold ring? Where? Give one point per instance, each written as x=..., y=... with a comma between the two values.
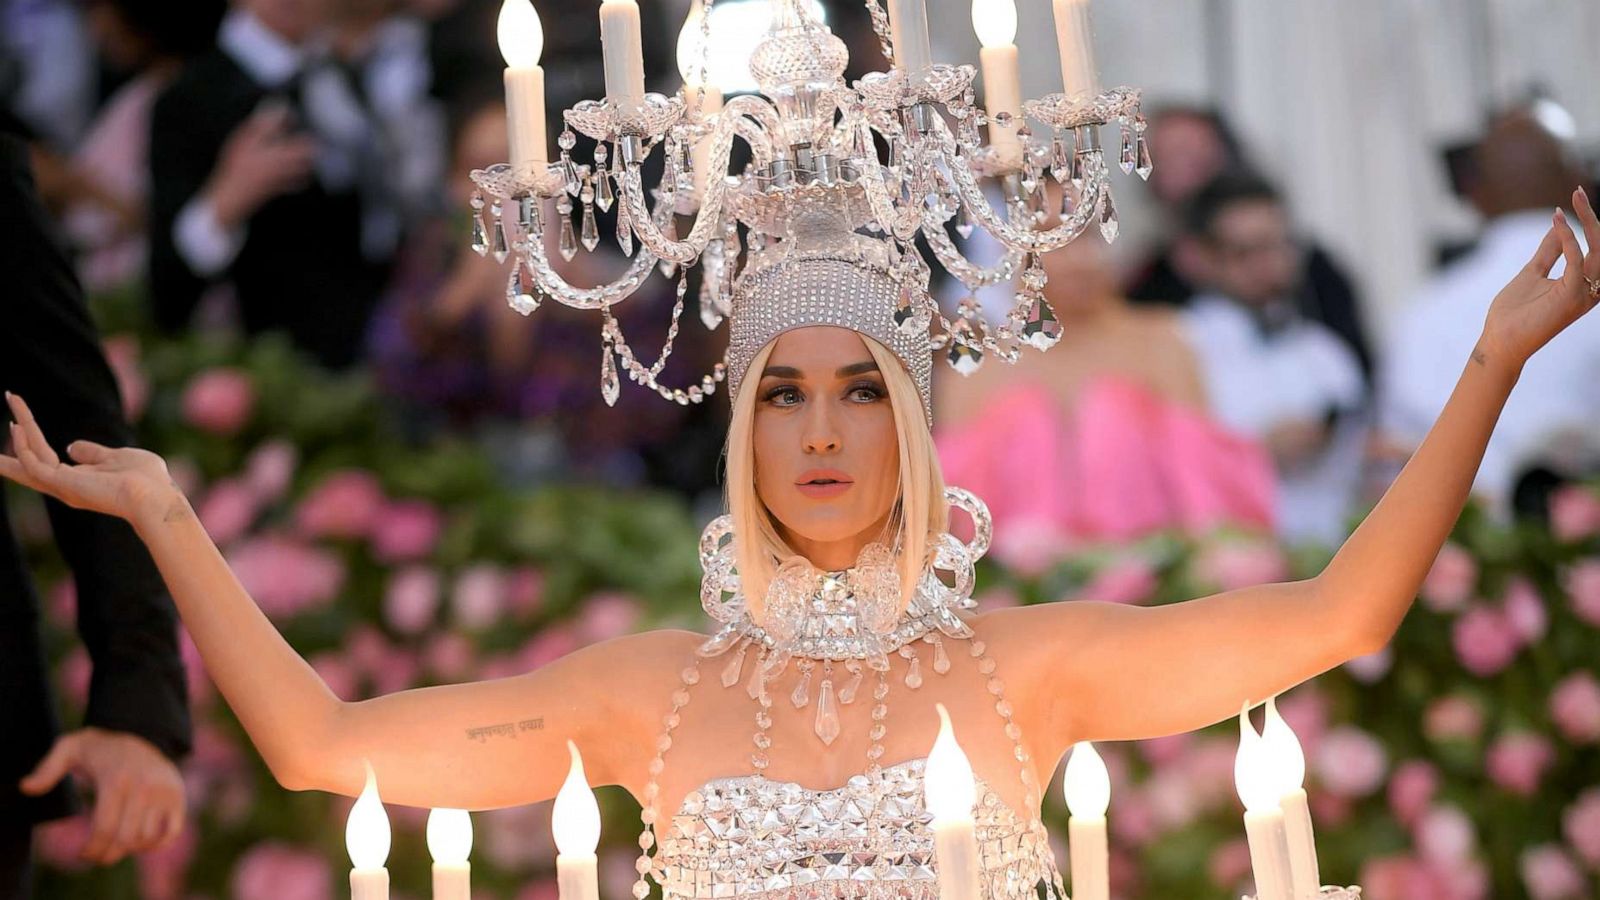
x=1594, y=287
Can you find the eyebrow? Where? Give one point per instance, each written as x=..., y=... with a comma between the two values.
x=845, y=372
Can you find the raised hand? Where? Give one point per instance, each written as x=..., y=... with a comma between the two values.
x=1532, y=308
x=123, y=482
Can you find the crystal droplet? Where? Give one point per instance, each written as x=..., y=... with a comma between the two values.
x=1042, y=330
x=569, y=172
x=1144, y=166
x=757, y=685
x=710, y=316
x=670, y=232
x=497, y=237
x=914, y=673
x=802, y=690
x=480, y=235
x=964, y=357
x=610, y=388
x=603, y=197
x=591, y=234
x=1075, y=172
x=909, y=316
x=730, y=672
x=1108, y=217
x=941, y=659
x=847, y=694
x=964, y=224
x=568, y=245
x=1128, y=157
x=827, y=724
x=624, y=236
x=520, y=292
x=1060, y=161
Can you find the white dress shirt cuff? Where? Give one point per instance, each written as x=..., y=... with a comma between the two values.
x=204, y=244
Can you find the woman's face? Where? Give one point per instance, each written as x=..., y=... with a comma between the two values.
x=827, y=458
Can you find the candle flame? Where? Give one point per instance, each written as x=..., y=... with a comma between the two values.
x=520, y=34
x=1283, y=751
x=450, y=836
x=1251, y=774
x=576, y=817
x=995, y=21
x=950, y=791
x=366, y=832
x=1086, y=782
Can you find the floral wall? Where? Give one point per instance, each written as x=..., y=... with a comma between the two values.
x=1461, y=762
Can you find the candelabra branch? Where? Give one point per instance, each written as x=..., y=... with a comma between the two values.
x=970, y=274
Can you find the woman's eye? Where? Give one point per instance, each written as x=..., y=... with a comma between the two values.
x=866, y=393
x=783, y=396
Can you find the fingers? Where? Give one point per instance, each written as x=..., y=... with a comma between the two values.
x=172, y=826
x=55, y=766
x=1546, y=255
x=1591, y=231
x=1572, y=277
x=88, y=452
x=110, y=804
x=11, y=468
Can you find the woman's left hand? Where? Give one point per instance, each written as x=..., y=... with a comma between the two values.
x=1532, y=309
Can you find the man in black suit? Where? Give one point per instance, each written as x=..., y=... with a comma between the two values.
x=258, y=155
x=137, y=722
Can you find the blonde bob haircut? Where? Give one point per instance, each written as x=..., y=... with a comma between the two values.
x=919, y=513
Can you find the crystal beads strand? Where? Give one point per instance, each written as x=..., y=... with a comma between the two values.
x=880, y=713
x=688, y=678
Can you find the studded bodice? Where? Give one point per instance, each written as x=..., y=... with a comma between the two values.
x=751, y=836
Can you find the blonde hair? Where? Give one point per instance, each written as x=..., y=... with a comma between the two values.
x=759, y=548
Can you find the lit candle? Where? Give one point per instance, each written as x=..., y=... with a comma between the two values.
x=1088, y=789
x=1075, y=42
x=1289, y=762
x=950, y=794
x=521, y=42
x=692, y=65
x=995, y=21
x=366, y=837
x=450, y=843
x=908, y=32
x=576, y=823
x=624, y=56
x=1263, y=820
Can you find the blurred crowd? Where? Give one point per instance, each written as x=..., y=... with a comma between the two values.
x=300, y=166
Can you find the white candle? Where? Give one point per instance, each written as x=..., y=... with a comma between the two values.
x=950, y=793
x=576, y=823
x=521, y=42
x=450, y=843
x=1087, y=786
x=1288, y=760
x=908, y=32
x=692, y=65
x=1263, y=819
x=366, y=837
x=624, y=56
x=1075, y=41
x=995, y=21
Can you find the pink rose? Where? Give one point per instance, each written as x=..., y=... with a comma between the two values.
x=1455, y=717
x=1029, y=548
x=277, y=871
x=1390, y=878
x=285, y=576
x=396, y=672
x=607, y=615
x=1135, y=823
x=1371, y=668
x=1230, y=864
x=546, y=889
x=1127, y=580
x=162, y=870
x=219, y=401
x=1550, y=874
x=1524, y=611
x=449, y=656
x=1239, y=564
x=479, y=597
x=547, y=645
x=1575, y=708
x=201, y=691
x=1169, y=750
x=1517, y=761
x=228, y=510
x=270, y=469
x=345, y=504
x=1574, y=513
x=122, y=354
x=407, y=530
x=1411, y=789
x=1445, y=836
x=367, y=648
x=338, y=674
x=1350, y=762
x=1305, y=709
x=1451, y=580
x=1581, y=825
x=525, y=592
x=515, y=837
x=412, y=599
x=1582, y=582
x=1484, y=641
x=993, y=598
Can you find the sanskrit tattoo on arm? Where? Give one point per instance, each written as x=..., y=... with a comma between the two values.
x=482, y=733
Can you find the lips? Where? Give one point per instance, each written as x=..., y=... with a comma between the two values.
x=821, y=483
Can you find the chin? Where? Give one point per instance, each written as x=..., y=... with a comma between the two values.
x=823, y=527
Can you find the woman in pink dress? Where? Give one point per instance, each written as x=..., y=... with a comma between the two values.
x=1106, y=437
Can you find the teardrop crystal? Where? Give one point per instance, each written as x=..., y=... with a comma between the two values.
x=1041, y=330
x=909, y=316
x=624, y=236
x=610, y=388
x=497, y=240
x=964, y=224
x=827, y=724
x=1144, y=165
x=1060, y=161
x=964, y=358
x=914, y=673
x=591, y=233
x=757, y=683
x=480, y=235
x=603, y=197
x=710, y=316
x=1129, y=157
x=1108, y=217
x=847, y=694
x=941, y=659
x=520, y=292
x=568, y=245
x=802, y=690
x=730, y=672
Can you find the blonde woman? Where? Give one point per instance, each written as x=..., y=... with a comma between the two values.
x=800, y=726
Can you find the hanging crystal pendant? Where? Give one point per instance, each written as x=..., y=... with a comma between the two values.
x=1129, y=157
x=1041, y=330
x=591, y=233
x=568, y=244
x=914, y=672
x=1075, y=172
x=802, y=689
x=909, y=316
x=847, y=694
x=497, y=236
x=1060, y=160
x=964, y=357
x=569, y=173
x=603, y=197
x=480, y=235
x=624, y=235
x=520, y=292
x=730, y=672
x=1143, y=166
x=610, y=388
x=1108, y=217
x=710, y=316
x=827, y=723
x=941, y=659
x=964, y=224
x=670, y=232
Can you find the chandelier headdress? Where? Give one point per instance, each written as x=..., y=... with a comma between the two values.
x=843, y=181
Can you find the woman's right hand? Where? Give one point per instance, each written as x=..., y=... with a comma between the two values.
x=124, y=482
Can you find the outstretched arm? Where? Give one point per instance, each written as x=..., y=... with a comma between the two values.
x=1127, y=672
x=509, y=734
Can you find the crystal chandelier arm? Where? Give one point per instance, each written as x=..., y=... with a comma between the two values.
x=971, y=274
x=901, y=223
x=552, y=284
x=961, y=178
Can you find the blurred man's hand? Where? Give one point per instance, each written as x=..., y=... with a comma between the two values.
x=138, y=792
x=264, y=157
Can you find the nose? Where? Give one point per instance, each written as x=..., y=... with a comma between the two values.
x=821, y=433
